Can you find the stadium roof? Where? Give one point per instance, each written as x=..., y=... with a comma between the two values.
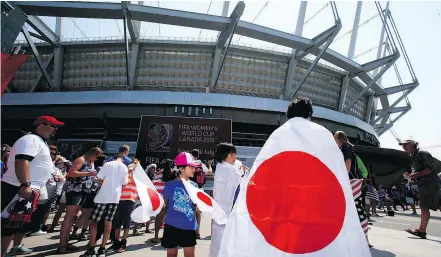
x=278, y=15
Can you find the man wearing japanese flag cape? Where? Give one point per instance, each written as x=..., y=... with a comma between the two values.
x=229, y=173
x=290, y=215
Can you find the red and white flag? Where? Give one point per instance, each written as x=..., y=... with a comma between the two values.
x=296, y=201
x=205, y=203
x=151, y=201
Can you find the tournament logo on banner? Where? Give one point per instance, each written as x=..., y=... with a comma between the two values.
x=162, y=137
x=159, y=137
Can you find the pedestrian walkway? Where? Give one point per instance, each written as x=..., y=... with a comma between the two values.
x=406, y=220
x=391, y=243
x=387, y=243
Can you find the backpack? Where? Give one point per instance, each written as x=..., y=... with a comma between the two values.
x=360, y=169
x=199, y=176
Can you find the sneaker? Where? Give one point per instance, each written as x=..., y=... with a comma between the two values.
x=44, y=228
x=89, y=253
x=101, y=252
x=83, y=237
x=73, y=237
x=115, y=246
x=38, y=233
x=122, y=246
x=19, y=250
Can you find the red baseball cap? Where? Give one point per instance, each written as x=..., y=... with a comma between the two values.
x=47, y=120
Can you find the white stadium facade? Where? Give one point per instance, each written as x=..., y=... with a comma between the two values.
x=101, y=87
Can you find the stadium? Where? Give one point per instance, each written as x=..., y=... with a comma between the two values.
x=100, y=87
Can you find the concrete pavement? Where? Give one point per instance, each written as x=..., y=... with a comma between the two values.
x=387, y=243
x=406, y=220
x=391, y=243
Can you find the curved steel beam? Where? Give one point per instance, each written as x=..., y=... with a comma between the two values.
x=220, y=52
x=196, y=20
x=45, y=32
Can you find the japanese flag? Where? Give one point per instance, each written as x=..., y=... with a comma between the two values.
x=296, y=201
x=205, y=203
x=151, y=201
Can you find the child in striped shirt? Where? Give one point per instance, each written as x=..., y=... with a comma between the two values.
x=126, y=205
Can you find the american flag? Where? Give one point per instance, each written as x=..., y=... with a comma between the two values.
x=356, y=187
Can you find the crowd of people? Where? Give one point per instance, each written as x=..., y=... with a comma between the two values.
x=97, y=194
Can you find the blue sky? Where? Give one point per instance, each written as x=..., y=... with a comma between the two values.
x=419, y=24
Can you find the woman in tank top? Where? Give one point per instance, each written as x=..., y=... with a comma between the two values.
x=79, y=184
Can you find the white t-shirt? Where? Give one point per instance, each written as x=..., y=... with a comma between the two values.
x=41, y=167
x=114, y=175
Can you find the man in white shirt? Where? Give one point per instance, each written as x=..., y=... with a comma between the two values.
x=113, y=175
x=29, y=168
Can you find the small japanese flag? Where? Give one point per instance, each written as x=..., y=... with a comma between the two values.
x=205, y=203
x=296, y=201
x=151, y=201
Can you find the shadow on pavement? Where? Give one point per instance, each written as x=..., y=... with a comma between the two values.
x=137, y=247
x=416, y=216
x=428, y=239
x=55, y=237
x=42, y=248
x=381, y=253
x=206, y=238
x=43, y=251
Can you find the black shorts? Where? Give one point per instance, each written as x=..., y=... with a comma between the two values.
x=75, y=198
x=89, y=203
x=8, y=193
x=103, y=211
x=175, y=237
x=86, y=200
x=429, y=196
x=122, y=215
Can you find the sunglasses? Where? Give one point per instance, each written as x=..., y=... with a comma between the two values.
x=51, y=125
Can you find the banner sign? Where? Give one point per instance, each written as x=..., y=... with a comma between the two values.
x=163, y=137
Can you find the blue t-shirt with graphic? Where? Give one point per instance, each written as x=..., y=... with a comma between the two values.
x=180, y=209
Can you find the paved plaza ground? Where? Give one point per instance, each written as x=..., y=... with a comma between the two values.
x=386, y=234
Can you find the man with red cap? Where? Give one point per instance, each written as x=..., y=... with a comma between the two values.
x=29, y=168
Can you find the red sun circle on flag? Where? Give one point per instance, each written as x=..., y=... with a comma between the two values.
x=204, y=198
x=296, y=202
x=154, y=198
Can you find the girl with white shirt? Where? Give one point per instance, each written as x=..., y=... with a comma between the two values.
x=227, y=179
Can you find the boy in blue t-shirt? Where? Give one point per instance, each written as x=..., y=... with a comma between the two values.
x=180, y=221
x=124, y=150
